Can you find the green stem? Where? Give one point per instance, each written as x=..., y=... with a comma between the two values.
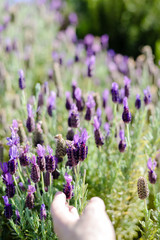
x=128, y=136
x=18, y=190
x=42, y=180
x=50, y=180
x=19, y=171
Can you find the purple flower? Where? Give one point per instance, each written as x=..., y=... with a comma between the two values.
x=43, y=213
x=69, y=101
x=73, y=18
x=35, y=171
x=14, y=139
x=73, y=120
x=79, y=100
x=13, y=152
x=4, y=167
x=90, y=65
x=122, y=143
x=8, y=208
x=68, y=188
x=51, y=161
x=107, y=129
x=90, y=104
x=151, y=173
x=30, y=197
x=30, y=123
x=10, y=188
x=126, y=115
x=40, y=150
x=104, y=41
x=41, y=157
x=147, y=96
x=97, y=134
x=83, y=149
x=17, y=216
x=74, y=85
x=88, y=40
x=23, y=157
x=21, y=80
x=138, y=102
x=96, y=123
x=109, y=113
x=121, y=96
x=127, y=82
x=22, y=186
x=114, y=92
x=14, y=126
x=99, y=113
x=51, y=103
x=105, y=97
x=84, y=136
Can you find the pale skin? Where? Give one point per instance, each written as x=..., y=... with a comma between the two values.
x=93, y=224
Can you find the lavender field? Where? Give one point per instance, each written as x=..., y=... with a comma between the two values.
x=71, y=106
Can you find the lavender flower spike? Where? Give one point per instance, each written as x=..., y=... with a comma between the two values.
x=138, y=102
x=35, y=171
x=30, y=197
x=114, y=92
x=90, y=104
x=8, y=208
x=127, y=82
x=43, y=213
x=147, y=96
x=151, y=173
x=10, y=188
x=21, y=80
x=51, y=103
x=68, y=188
x=41, y=157
x=122, y=143
x=105, y=97
x=126, y=115
x=17, y=216
x=97, y=134
x=68, y=101
x=73, y=120
x=30, y=123
x=107, y=129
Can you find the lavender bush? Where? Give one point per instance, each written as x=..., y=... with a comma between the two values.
x=75, y=117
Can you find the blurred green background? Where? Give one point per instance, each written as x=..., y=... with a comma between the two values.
x=130, y=24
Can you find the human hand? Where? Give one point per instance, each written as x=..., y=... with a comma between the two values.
x=94, y=223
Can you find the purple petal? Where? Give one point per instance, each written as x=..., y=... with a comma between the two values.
x=50, y=150
x=149, y=164
x=6, y=201
x=4, y=167
x=40, y=150
x=68, y=178
x=78, y=93
x=127, y=81
x=21, y=73
x=121, y=134
x=31, y=189
x=96, y=123
x=76, y=138
x=125, y=102
x=84, y=136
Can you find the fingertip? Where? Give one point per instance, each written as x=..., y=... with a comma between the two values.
x=97, y=201
x=58, y=202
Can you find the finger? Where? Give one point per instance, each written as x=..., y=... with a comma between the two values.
x=95, y=205
x=61, y=212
